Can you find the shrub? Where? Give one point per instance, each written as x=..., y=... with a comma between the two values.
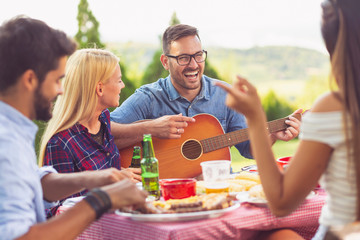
x=276, y=107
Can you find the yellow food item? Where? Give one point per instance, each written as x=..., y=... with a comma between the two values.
x=215, y=201
x=235, y=187
x=248, y=176
x=246, y=183
x=257, y=192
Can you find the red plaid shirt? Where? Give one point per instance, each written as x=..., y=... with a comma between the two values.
x=74, y=150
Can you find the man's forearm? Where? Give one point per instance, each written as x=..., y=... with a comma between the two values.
x=60, y=185
x=166, y=127
x=57, y=186
x=65, y=226
x=127, y=134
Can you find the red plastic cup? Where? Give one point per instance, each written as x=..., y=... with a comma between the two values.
x=178, y=188
x=283, y=161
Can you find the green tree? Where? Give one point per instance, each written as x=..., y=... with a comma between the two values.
x=155, y=69
x=129, y=86
x=88, y=36
x=174, y=20
x=88, y=33
x=41, y=125
x=276, y=107
x=210, y=70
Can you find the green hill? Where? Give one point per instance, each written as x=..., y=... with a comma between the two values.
x=269, y=63
x=258, y=63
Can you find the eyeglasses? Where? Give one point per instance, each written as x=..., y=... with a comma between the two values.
x=185, y=59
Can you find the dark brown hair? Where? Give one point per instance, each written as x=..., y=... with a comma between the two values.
x=176, y=32
x=27, y=43
x=341, y=33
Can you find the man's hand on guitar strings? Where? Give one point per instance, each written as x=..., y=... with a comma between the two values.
x=169, y=126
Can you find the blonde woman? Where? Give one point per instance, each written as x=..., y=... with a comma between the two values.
x=330, y=133
x=78, y=136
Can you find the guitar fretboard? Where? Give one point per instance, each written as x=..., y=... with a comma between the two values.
x=233, y=138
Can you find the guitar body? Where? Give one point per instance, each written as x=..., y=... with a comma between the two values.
x=203, y=140
x=174, y=161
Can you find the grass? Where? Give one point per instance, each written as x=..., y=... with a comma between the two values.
x=280, y=149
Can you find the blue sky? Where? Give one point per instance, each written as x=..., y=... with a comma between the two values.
x=226, y=23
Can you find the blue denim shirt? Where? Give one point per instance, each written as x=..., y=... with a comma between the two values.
x=161, y=98
x=21, y=197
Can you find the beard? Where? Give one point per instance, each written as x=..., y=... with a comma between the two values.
x=42, y=107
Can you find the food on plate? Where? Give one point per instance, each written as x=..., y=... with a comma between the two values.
x=257, y=192
x=214, y=201
x=235, y=185
x=248, y=176
x=167, y=204
x=204, y=202
x=246, y=183
x=187, y=207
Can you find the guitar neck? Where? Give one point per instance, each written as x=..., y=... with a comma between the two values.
x=233, y=138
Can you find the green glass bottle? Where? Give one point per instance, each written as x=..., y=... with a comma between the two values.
x=136, y=158
x=150, y=168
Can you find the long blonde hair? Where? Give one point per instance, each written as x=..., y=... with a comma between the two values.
x=84, y=70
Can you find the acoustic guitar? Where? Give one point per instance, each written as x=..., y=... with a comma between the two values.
x=203, y=140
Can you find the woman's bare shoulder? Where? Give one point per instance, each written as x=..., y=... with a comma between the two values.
x=328, y=102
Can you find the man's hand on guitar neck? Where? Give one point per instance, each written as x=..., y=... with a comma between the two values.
x=289, y=133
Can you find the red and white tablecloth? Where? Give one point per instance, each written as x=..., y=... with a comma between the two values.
x=243, y=223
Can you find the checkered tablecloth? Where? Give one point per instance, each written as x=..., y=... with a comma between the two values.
x=243, y=223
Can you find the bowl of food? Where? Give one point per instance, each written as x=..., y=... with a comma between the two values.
x=178, y=188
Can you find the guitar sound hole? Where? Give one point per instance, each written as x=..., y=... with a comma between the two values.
x=191, y=149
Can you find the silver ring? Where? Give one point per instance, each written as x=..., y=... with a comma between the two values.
x=177, y=130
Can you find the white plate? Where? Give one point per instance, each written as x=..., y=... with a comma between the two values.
x=244, y=197
x=178, y=217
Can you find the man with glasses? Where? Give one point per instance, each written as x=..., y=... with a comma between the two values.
x=186, y=92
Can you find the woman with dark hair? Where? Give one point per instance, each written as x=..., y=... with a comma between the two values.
x=330, y=133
